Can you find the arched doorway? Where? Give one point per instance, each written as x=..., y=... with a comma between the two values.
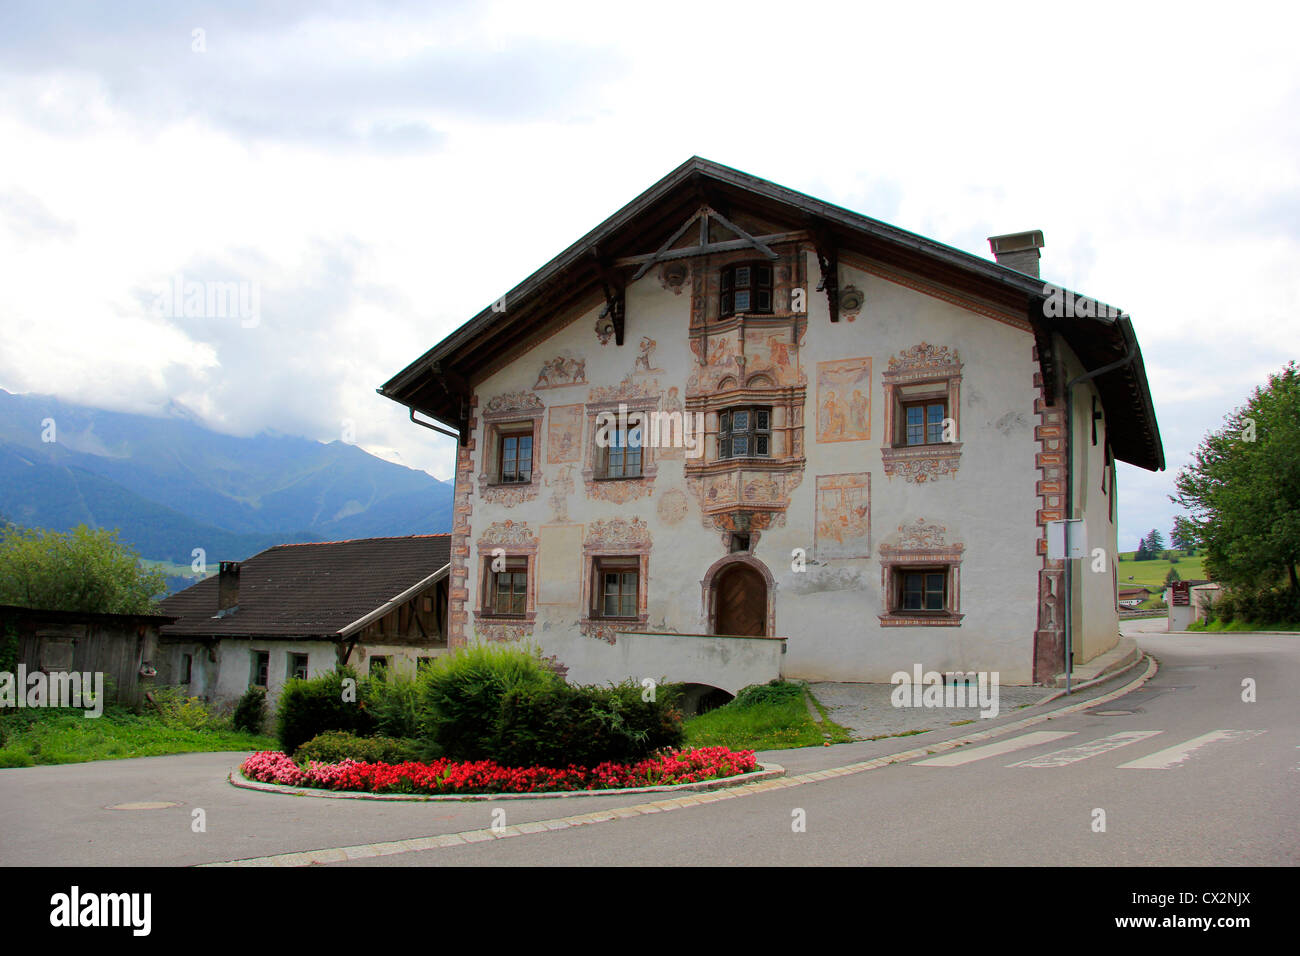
x=741, y=606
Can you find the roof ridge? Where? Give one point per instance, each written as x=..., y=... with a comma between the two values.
x=395, y=537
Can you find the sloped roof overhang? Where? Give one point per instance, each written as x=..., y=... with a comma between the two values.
x=437, y=384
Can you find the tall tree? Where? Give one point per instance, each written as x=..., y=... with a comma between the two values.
x=1183, y=537
x=1242, y=488
x=1155, y=542
x=82, y=570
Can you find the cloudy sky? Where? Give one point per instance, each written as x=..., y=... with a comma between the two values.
x=377, y=172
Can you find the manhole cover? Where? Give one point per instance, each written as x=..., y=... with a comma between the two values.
x=145, y=805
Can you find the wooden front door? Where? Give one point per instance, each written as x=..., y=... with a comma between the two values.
x=741, y=602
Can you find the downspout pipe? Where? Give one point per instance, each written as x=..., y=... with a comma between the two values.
x=1069, y=492
x=436, y=428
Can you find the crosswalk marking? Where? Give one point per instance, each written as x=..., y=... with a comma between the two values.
x=1171, y=757
x=958, y=757
x=1061, y=758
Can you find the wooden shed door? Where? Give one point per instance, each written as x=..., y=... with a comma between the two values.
x=742, y=602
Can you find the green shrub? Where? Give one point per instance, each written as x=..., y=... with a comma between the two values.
x=561, y=724
x=775, y=691
x=250, y=712
x=461, y=694
x=336, y=745
x=175, y=709
x=311, y=707
x=394, y=702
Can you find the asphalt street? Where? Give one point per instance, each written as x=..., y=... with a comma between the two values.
x=1181, y=771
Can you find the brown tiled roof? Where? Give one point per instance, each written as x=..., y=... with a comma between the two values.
x=300, y=590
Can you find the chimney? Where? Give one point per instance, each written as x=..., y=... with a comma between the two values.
x=228, y=586
x=1018, y=250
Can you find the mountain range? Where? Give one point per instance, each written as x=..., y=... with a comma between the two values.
x=170, y=485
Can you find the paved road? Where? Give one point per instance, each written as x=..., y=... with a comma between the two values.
x=1185, y=771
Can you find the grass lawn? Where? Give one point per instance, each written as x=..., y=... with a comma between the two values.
x=768, y=717
x=49, y=736
x=1240, y=626
x=1151, y=574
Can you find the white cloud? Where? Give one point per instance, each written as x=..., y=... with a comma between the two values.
x=383, y=175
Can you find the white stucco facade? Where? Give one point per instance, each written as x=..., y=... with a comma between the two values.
x=973, y=510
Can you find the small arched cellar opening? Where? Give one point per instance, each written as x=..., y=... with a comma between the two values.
x=702, y=698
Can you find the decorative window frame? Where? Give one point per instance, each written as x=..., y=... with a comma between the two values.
x=518, y=543
x=621, y=538
x=920, y=546
x=512, y=412
x=621, y=490
x=922, y=372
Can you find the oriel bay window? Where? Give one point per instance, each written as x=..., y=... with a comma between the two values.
x=745, y=433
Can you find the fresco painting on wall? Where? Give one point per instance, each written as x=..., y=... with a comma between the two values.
x=843, y=528
x=565, y=369
x=844, y=400
x=564, y=434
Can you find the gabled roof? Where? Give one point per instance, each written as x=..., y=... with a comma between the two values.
x=437, y=383
x=322, y=590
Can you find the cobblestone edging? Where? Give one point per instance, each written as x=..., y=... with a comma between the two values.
x=765, y=772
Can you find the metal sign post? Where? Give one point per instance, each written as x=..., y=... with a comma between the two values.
x=1067, y=540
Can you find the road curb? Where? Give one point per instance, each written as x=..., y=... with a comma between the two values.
x=766, y=771
x=747, y=788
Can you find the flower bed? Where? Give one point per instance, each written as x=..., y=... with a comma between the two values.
x=485, y=776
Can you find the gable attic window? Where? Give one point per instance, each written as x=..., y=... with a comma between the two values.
x=745, y=287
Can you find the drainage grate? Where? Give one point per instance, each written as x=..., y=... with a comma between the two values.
x=145, y=805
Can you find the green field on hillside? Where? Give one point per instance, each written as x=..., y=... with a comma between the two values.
x=1152, y=573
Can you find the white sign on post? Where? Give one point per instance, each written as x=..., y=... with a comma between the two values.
x=1066, y=539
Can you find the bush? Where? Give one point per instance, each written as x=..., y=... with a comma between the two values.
x=775, y=691
x=250, y=712
x=335, y=746
x=394, y=703
x=177, y=710
x=310, y=707
x=461, y=695
x=1263, y=606
x=558, y=725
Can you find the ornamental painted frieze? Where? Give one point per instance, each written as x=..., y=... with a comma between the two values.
x=508, y=534
x=501, y=632
x=626, y=390
x=607, y=534
x=921, y=463
x=508, y=496
x=920, y=537
x=607, y=631
x=925, y=358
x=514, y=402
x=619, y=491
